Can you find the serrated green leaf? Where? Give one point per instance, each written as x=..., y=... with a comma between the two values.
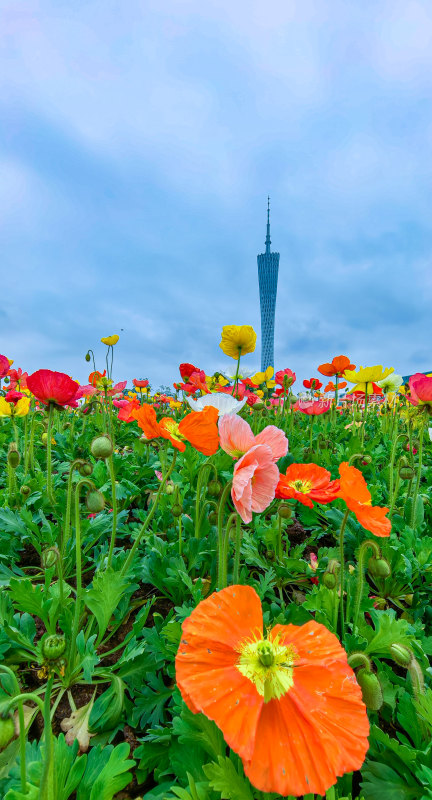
x=104, y=596
x=224, y=778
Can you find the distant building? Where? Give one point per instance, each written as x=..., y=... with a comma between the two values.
x=268, y=270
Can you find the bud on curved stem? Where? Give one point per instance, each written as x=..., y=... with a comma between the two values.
x=369, y=543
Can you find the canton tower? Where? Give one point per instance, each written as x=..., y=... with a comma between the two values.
x=268, y=269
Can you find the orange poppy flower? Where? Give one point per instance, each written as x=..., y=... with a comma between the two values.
x=307, y=482
x=288, y=704
x=199, y=428
x=337, y=367
x=332, y=388
x=354, y=492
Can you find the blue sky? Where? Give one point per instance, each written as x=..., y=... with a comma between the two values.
x=138, y=143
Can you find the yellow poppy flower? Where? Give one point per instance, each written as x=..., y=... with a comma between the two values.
x=110, y=340
x=237, y=340
x=11, y=410
x=264, y=377
x=175, y=404
x=363, y=377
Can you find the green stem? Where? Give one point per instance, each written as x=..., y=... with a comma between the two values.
x=417, y=483
x=78, y=554
x=202, y=480
x=50, y=491
x=238, y=539
x=369, y=543
x=180, y=542
x=364, y=414
x=279, y=539
x=148, y=519
x=342, y=574
x=237, y=373
x=230, y=524
x=22, y=733
x=114, y=507
x=310, y=438
x=220, y=562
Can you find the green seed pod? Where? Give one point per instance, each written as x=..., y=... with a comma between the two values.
x=371, y=689
x=53, y=646
x=177, y=509
x=7, y=731
x=85, y=469
x=401, y=654
x=379, y=567
x=13, y=456
x=25, y=490
x=49, y=557
x=214, y=488
x=285, y=511
x=102, y=446
x=406, y=473
x=329, y=580
x=95, y=501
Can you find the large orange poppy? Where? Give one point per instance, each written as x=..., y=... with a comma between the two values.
x=199, y=428
x=288, y=704
x=337, y=367
x=307, y=483
x=354, y=491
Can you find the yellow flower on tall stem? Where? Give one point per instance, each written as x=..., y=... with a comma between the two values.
x=364, y=377
x=237, y=341
x=19, y=409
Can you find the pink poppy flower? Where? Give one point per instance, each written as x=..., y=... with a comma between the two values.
x=254, y=481
x=421, y=390
x=313, y=407
x=285, y=377
x=4, y=366
x=236, y=437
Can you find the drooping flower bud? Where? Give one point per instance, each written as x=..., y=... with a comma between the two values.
x=25, y=490
x=285, y=511
x=379, y=567
x=95, y=501
x=371, y=689
x=85, y=469
x=87, y=356
x=13, y=455
x=102, y=447
x=329, y=578
x=214, y=488
x=406, y=472
x=401, y=654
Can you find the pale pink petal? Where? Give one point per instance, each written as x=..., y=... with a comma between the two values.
x=241, y=491
x=275, y=439
x=235, y=435
x=254, y=481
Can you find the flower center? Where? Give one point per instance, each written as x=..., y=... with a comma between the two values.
x=301, y=486
x=269, y=665
x=173, y=429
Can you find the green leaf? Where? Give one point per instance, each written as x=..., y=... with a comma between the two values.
x=104, y=596
x=224, y=778
x=106, y=772
x=388, y=630
x=381, y=782
x=108, y=708
x=89, y=657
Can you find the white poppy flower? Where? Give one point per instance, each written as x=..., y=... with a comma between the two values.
x=225, y=403
x=391, y=383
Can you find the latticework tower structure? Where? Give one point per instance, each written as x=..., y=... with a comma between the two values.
x=268, y=270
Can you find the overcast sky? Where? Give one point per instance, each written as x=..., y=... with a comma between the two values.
x=138, y=143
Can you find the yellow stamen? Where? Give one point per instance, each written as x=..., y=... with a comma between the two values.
x=269, y=665
x=172, y=427
x=301, y=486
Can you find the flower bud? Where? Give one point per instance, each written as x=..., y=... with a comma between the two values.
x=371, y=689
x=102, y=446
x=285, y=511
x=44, y=437
x=258, y=406
x=95, y=501
x=177, y=509
x=406, y=473
x=401, y=654
x=53, y=646
x=85, y=469
x=87, y=356
x=25, y=490
x=379, y=567
x=7, y=730
x=169, y=487
x=49, y=557
x=13, y=456
x=214, y=488
x=367, y=459
x=212, y=518
x=329, y=580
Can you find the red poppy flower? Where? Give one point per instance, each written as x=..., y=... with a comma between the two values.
x=52, y=387
x=337, y=367
x=126, y=408
x=140, y=384
x=4, y=366
x=354, y=492
x=18, y=378
x=12, y=396
x=307, y=483
x=312, y=383
x=421, y=390
x=288, y=704
x=313, y=408
x=285, y=377
x=186, y=370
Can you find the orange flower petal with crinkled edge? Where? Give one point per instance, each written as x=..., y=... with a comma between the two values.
x=341, y=363
x=317, y=730
x=200, y=429
x=373, y=518
x=169, y=429
x=353, y=484
x=327, y=369
x=206, y=671
x=322, y=488
x=145, y=416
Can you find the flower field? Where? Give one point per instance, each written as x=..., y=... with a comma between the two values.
x=223, y=592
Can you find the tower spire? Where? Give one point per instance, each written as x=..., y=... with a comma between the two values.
x=268, y=240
